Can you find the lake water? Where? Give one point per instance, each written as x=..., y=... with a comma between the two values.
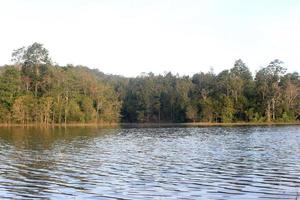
x=150, y=163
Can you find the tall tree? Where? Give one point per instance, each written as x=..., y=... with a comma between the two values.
x=267, y=80
x=32, y=59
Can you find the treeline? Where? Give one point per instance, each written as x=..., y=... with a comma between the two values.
x=230, y=96
x=34, y=90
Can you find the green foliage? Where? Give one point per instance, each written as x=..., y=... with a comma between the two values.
x=191, y=113
x=10, y=86
x=34, y=90
x=87, y=108
x=287, y=117
x=5, y=115
x=227, y=110
x=207, y=110
x=24, y=109
x=251, y=115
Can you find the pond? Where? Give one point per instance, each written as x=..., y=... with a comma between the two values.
x=249, y=162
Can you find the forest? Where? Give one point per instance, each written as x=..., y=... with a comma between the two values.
x=36, y=90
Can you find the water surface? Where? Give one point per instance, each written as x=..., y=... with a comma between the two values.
x=150, y=163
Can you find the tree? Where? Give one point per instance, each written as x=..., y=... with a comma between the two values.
x=32, y=59
x=240, y=83
x=227, y=109
x=267, y=80
x=191, y=113
x=290, y=92
x=33, y=90
x=23, y=109
x=10, y=86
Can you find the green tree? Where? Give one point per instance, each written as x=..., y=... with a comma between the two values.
x=267, y=81
x=33, y=59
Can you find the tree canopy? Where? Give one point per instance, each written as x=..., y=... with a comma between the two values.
x=34, y=90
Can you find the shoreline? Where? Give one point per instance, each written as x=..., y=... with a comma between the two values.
x=145, y=125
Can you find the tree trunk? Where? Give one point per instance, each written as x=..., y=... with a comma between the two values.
x=59, y=109
x=66, y=106
x=273, y=109
x=37, y=74
x=97, y=113
x=35, y=89
x=268, y=112
x=66, y=111
x=53, y=116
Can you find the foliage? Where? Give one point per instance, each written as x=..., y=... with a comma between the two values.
x=34, y=90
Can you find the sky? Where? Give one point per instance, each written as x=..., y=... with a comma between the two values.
x=128, y=37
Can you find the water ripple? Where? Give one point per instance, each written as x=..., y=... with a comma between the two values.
x=150, y=163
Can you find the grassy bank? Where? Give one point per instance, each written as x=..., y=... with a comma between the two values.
x=207, y=124
x=195, y=124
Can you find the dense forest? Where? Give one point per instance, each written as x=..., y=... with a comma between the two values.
x=35, y=90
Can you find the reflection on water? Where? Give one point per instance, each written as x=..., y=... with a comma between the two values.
x=150, y=163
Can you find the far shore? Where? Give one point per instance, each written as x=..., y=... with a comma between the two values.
x=132, y=125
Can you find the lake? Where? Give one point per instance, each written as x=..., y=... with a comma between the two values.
x=150, y=163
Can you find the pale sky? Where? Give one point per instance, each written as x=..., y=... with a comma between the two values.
x=128, y=37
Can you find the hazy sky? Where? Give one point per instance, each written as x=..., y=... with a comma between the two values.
x=128, y=37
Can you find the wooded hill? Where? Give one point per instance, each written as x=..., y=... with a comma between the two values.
x=34, y=90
